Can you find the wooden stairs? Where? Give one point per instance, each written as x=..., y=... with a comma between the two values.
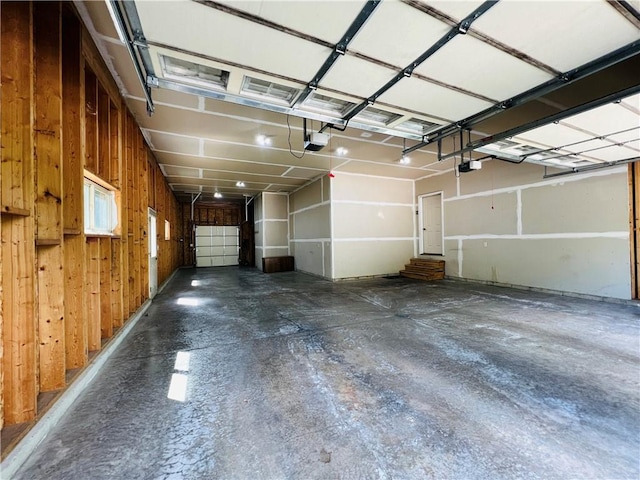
x=424, y=269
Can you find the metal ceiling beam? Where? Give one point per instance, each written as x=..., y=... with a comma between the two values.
x=552, y=85
x=128, y=35
x=460, y=29
x=339, y=50
x=512, y=132
x=589, y=168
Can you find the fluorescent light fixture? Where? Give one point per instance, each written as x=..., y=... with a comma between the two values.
x=196, y=283
x=240, y=184
x=341, y=151
x=217, y=195
x=178, y=387
x=263, y=140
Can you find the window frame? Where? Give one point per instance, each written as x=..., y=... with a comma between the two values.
x=97, y=184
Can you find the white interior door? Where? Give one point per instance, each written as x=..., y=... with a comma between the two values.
x=431, y=221
x=153, y=254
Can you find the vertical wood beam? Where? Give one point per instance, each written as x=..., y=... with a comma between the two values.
x=116, y=283
x=91, y=121
x=106, y=320
x=144, y=218
x=124, y=217
x=18, y=248
x=49, y=223
x=92, y=292
x=104, y=137
x=73, y=163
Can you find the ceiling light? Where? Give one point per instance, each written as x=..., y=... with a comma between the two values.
x=341, y=151
x=405, y=160
x=239, y=184
x=217, y=195
x=263, y=140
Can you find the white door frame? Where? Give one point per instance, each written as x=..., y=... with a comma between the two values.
x=153, y=256
x=421, y=222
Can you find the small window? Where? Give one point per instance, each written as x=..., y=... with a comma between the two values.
x=167, y=230
x=100, y=212
x=183, y=70
x=417, y=125
x=327, y=105
x=269, y=91
x=377, y=116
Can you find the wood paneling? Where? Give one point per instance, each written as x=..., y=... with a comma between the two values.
x=20, y=384
x=64, y=293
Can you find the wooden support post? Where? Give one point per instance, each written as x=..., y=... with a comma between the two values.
x=124, y=216
x=137, y=227
x=91, y=121
x=49, y=226
x=104, y=137
x=144, y=216
x=106, y=321
x=72, y=206
x=92, y=292
x=20, y=387
x=116, y=283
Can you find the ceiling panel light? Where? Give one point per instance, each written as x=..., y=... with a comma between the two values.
x=185, y=71
x=328, y=105
x=266, y=90
x=263, y=140
x=377, y=116
x=240, y=184
x=417, y=125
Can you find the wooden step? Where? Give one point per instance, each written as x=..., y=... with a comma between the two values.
x=422, y=276
x=424, y=269
x=427, y=262
x=431, y=268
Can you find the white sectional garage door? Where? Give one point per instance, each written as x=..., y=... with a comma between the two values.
x=216, y=246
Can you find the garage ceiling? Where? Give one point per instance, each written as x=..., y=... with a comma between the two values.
x=232, y=81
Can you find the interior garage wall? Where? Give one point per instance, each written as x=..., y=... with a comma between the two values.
x=508, y=225
x=65, y=292
x=373, y=223
x=271, y=213
x=310, y=227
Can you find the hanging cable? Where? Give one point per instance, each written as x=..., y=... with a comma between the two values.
x=289, y=141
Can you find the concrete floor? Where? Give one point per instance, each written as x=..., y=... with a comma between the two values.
x=289, y=376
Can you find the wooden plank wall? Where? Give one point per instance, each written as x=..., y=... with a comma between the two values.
x=64, y=293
